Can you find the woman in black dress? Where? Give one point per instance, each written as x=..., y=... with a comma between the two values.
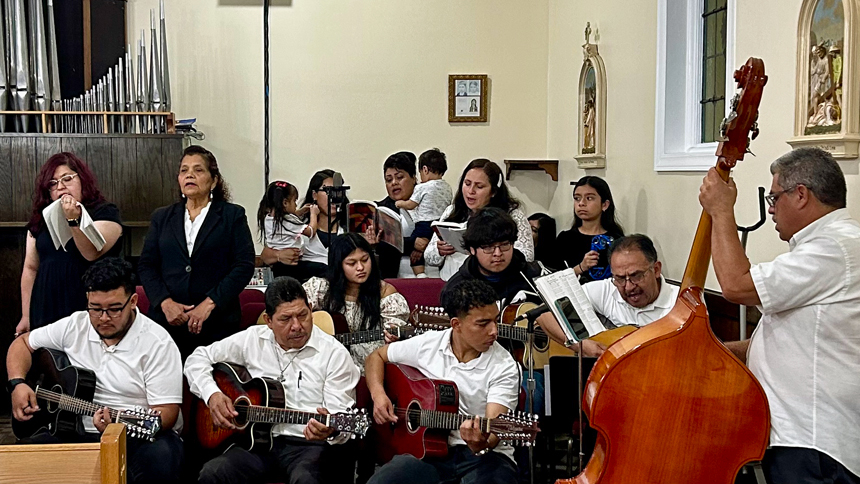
x=594, y=228
x=198, y=256
x=51, y=285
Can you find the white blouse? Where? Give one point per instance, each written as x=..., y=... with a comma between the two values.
x=192, y=228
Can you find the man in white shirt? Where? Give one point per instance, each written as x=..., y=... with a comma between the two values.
x=135, y=361
x=805, y=351
x=487, y=381
x=636, y=294
x=317, y=374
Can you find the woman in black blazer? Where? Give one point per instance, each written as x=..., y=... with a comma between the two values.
x=198, y=256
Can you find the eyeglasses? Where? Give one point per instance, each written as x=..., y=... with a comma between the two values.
x=54, y=184
x=112, y=313
x=773, y=197
x=635, y=278
x=503, y=247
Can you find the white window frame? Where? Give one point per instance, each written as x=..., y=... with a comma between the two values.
x=678, y=125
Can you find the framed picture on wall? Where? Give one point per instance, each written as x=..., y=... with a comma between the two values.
x=467, y=98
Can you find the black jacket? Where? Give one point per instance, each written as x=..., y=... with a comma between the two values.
x=221, y=265
x=509, y=281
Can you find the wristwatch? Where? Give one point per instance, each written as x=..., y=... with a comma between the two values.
x=73, y=222
x=11, y=384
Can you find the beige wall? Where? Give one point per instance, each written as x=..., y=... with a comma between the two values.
x=665, y=205
x=355, y=81
x=352, y=82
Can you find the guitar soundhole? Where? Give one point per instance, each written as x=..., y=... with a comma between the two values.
x=413, y=416
x=541, y=342
x=242, y=405
x=54, y=406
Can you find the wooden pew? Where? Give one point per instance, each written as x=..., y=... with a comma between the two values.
x=103, y=462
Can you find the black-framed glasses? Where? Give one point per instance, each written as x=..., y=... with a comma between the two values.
x=112, y=313
x=773, y=197
x=635, y=278
x=54, y=184
x=504, y=247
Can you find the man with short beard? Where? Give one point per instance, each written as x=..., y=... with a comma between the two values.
x=135, y=361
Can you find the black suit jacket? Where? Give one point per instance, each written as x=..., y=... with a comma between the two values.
x=220, y=266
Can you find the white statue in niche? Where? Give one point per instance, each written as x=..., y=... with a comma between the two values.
x=824, y=106
x=589, y=113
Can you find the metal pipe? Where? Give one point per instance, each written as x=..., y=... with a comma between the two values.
x=155, y=82
x=142, y=84
x=20, y=64
x=4, y=78
x=120, y=95
x=129, y=89
x=53, y=67
x=165, y=69
x=110, y=97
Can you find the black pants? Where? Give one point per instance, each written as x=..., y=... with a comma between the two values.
x=291, y=461
x=795, y=465
x=302, y=271
x=159, y=461
x=459, y=466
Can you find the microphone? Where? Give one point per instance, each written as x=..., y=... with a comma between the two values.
x=533, y=313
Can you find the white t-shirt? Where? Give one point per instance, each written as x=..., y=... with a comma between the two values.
x=320, y=374
x=192, y=228
x=433, y=197
x=314, y=250
x=143, y=369
x=607, y=301
x=805, y=351
x=492, y=377
x=286, y=235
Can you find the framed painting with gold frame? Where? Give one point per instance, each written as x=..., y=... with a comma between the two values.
x=467, y=98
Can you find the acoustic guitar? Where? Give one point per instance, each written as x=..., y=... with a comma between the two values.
x=261, y=405
x=428, y=410
x=335, y=324
x=65, y=394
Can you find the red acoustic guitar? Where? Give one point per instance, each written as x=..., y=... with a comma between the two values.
x=261, y=405
x=428, y=410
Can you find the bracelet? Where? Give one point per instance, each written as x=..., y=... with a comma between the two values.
x=581, y=270
x=485, y=450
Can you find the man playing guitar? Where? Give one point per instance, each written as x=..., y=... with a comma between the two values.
x=317, y=374
x=487, y=379
x=134, y=359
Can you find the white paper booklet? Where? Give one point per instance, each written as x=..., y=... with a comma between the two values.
x=451, y=232
x=61, y=233
x=569, y=304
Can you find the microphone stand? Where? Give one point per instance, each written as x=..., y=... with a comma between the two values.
x=530, y=384
x=334, y=196
x=579, y=400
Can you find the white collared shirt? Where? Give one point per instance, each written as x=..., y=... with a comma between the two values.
x=320, y=374
x=143, y=369
x=193, y=228
x=492, y=377
x=805, y=351
x=606, y=300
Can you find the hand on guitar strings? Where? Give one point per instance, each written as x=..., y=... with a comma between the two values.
x=221, y=410
x=470, y=432
x=383, y=410
x=101, y=419
x=24, y=403
x=316, y=430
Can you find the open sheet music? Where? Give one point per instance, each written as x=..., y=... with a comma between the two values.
x=568, y=303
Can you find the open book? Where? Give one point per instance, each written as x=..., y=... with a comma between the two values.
x=568, y=303
x=451, y=232
x=61, y=233
x=364, y=215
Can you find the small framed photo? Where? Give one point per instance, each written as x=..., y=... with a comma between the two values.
x=467, y=98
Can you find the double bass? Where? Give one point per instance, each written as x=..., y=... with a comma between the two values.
x=670, y=403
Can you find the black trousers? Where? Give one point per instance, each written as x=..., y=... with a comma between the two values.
x=459, y=466
x=155, y=462
x=795, y=465
x=292, y=461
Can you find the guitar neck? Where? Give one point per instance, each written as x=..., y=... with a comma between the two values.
x=435, y=419
x=519, y=333
x=282, y=416
x=73, y=404
x=360, y=337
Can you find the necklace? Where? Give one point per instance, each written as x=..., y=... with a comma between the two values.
x=278, y=356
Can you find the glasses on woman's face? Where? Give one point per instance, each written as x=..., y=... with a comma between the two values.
x=65, y=179
x=503, y=247
x=635, y=278
x=112, y=313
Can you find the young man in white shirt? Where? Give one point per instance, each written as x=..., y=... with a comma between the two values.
x=487, y=380
x=134, y=359
x=317, y=374
x=805, y=351
x=636, y=294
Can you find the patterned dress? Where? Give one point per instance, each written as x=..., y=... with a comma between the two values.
x=393, y=307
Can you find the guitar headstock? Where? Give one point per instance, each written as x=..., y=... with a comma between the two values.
x=429, y=318
x=516, y=428
x=141, y=423
x=355, y=421
x=743, y=119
